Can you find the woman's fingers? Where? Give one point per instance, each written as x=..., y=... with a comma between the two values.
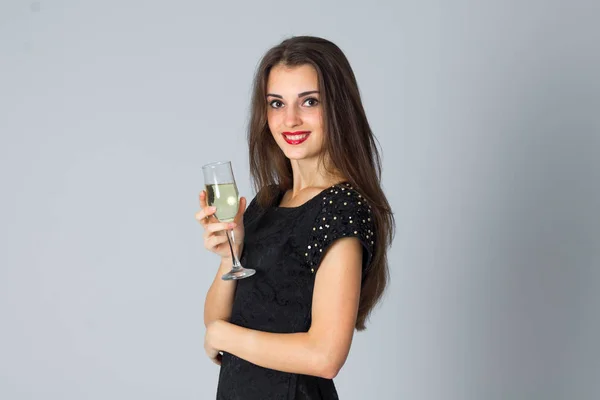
x=205, y=211
x=219, y=226
x=202, y=199
x=214, y=241
x=214, y=235
x=204, y=214
x=210, y=229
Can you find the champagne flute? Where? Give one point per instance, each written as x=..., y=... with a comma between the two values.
x=222, y=193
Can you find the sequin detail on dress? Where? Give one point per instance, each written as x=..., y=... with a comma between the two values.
x=344, y=213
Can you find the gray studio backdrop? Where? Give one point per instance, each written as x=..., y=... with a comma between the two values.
x=487, y=114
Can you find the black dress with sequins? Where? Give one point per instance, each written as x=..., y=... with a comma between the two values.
x=285, y=247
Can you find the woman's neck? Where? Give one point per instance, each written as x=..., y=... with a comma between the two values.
x=313, y=174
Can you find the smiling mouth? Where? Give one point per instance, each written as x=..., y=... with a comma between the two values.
x=295, y=137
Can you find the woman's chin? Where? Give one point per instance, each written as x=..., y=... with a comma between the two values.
x=298, y=156
x=294, y=154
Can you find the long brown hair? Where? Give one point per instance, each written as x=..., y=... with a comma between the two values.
x=344, y=121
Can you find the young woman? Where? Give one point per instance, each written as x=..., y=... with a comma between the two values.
x=316, y=233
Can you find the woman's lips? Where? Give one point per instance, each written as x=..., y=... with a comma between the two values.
x=295, y=138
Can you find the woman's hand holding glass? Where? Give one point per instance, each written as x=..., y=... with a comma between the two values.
x=222, y=192
x=215, y=237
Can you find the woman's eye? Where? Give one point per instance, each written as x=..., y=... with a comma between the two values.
x=311, y=102
x=276, y=104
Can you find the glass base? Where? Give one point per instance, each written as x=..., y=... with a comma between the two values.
x=236, y=274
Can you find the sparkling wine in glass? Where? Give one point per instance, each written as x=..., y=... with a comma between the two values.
x=222, y=193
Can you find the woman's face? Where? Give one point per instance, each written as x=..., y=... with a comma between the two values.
x=294, y=112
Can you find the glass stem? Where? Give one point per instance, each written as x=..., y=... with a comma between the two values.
x=231, y=239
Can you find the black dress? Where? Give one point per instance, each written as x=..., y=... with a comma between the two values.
x=285, y=247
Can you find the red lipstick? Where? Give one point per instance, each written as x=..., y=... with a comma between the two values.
x=295, y=138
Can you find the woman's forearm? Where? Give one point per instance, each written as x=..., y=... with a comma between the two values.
x=288, y=352
x=219, y=299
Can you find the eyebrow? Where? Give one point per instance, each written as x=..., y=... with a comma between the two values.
x=299, y=94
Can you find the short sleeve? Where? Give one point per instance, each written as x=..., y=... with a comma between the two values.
x=343, y=212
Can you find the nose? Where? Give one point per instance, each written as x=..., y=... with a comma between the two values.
x=292, y=117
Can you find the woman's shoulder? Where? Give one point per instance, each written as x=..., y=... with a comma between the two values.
x=346, y=195
x=342, y=211
x=343, y=204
